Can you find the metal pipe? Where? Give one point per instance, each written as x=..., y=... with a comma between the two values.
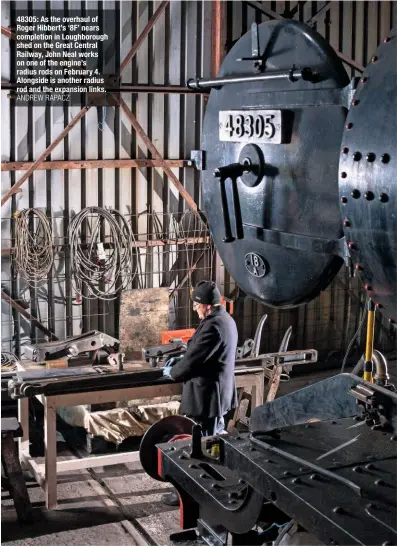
x=292, y=75
x=381, y=375
x=380, y=362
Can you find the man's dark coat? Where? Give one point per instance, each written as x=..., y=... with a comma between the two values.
x=207, y=368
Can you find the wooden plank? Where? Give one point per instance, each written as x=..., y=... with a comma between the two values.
x=218, y=15
x=143, y=317
x=93, y=164
x=140, y=244
x=125, y=394
x=50, y=446
x=7, y=32
x=23, y=419
x=97, y=461
x=37, y=470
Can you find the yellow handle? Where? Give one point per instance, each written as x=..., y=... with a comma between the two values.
x=369, y=347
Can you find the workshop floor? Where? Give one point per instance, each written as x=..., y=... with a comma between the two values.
x=117, y=505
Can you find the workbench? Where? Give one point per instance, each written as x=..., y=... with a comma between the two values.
x=46, y=474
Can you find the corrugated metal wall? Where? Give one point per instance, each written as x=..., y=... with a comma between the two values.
x=178, y=48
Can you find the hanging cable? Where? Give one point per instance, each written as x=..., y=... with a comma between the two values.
x=104, y=267
x=34, y=254
x=8, y=361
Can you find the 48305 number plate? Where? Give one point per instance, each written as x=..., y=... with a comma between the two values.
x=250, y=126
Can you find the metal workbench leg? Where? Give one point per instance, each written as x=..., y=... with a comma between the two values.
x=23, y=419
x=50, y=443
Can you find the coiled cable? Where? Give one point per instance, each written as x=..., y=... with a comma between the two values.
x=34, y=254
x=8, y=361
x=101, y=253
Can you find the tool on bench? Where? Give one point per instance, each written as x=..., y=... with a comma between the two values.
x=156, y=354
x=72, y=347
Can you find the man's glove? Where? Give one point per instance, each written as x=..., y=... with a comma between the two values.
x=173, y=360
x=169, y=364
x=167, y=371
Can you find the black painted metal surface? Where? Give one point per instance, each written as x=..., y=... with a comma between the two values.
x=297, y=191
x=349, y=501
x=323, y=400
x=222, y=497
x=327, y=507
x=368, y=177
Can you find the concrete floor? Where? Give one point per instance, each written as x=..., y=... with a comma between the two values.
x=88, y=515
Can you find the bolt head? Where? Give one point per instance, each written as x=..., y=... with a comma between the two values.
x=355, y=193
x=357, y=156
x=357, y=469
x=357, y=267
x=367, y=287
x=351, y=245
x=349, y=125
x=343, y=174
x=364, y=80
x=371, y=157
x=346, y=223
x=369, y=196
x=356, y=102
x=374, y=58
x=345, y=150
x=384, y=198
x=385, y=158
x=378, y=305
x=338, y=510
x=387, y=39
x=343, y=199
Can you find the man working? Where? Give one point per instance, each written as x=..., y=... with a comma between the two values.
x=207, y=367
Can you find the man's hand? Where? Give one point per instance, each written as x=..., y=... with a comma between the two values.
x=169, y=364
x=167, y=371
